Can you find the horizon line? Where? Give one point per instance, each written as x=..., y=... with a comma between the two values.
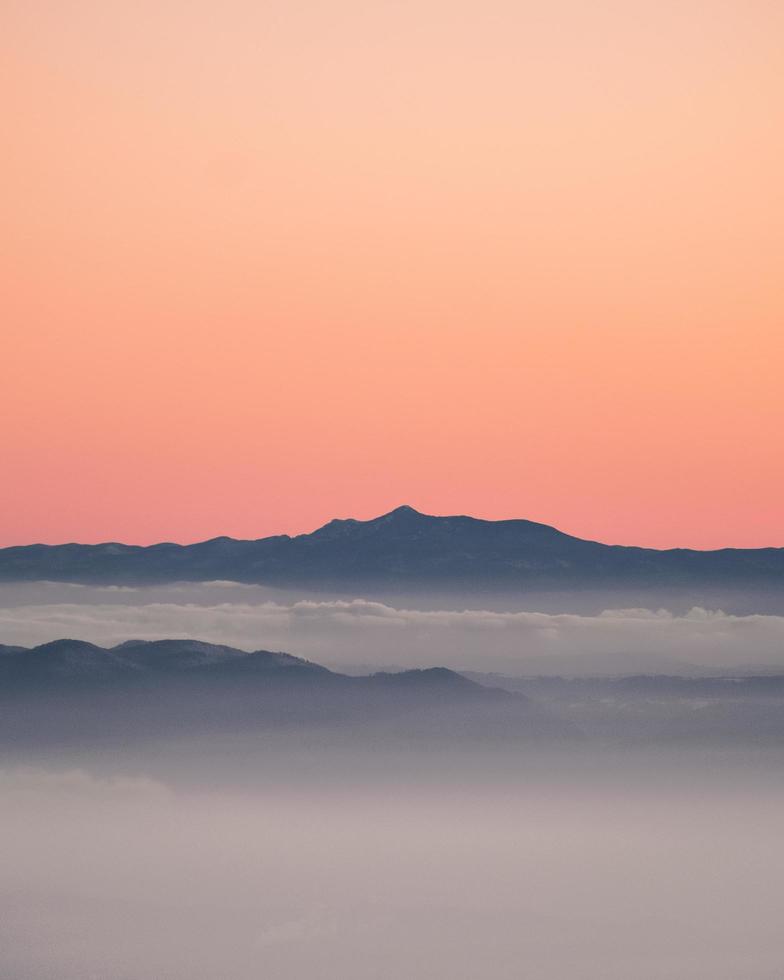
x=400, y=509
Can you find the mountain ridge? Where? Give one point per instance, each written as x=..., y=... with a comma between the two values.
x=71, y=691
x=401, y=549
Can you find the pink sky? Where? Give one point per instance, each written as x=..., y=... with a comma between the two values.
x=268, y=264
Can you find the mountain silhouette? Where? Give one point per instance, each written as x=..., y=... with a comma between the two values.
x=71, y=690
x=402, y=550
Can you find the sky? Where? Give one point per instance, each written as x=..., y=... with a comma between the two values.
x=266, y=264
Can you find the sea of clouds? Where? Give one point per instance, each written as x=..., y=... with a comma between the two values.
x=119, y=878
x=359, y=634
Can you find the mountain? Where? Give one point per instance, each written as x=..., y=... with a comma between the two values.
x=70, y=691
x=67, y=663
x=404, y=551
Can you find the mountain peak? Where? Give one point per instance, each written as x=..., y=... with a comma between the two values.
x=404, y=510
x=404, y=514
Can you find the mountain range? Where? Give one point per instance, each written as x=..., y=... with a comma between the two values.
x=71, y=694
x=401, y=551
x=70, y=690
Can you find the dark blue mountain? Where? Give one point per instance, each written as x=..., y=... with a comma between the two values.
x=71, y=691
x=403, y=551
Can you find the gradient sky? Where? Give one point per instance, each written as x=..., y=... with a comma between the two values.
x=268, y=263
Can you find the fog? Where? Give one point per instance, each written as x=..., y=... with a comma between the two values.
x=194, y=829
x=543, y=871
x=364, y=634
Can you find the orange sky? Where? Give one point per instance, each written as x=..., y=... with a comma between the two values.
x=264, y=264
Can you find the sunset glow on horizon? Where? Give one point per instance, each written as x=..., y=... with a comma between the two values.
x=266, y=264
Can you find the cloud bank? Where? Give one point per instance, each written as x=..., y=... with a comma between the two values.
x=360, y=634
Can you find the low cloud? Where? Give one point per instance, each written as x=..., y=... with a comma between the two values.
x=359, y=633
